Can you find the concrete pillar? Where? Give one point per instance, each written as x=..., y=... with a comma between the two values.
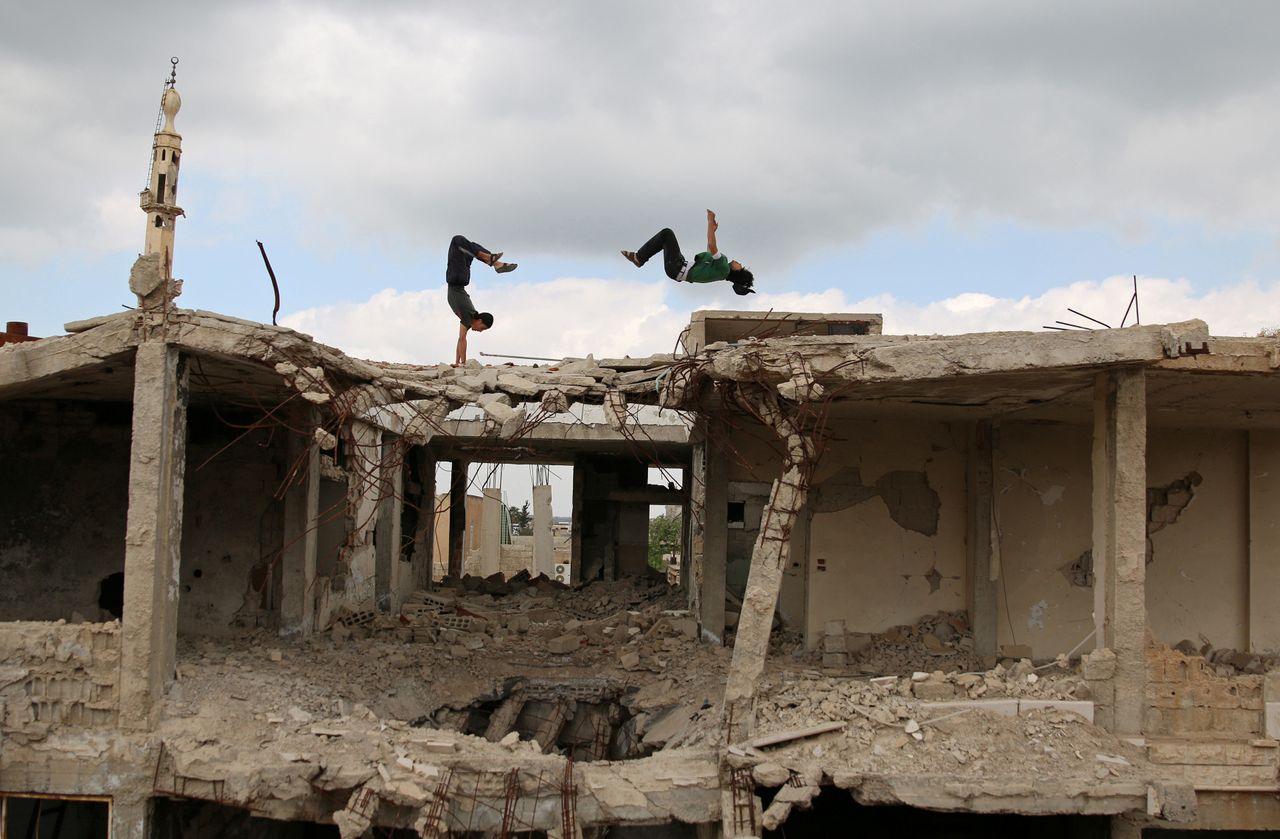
x=389, y=580
x=1120, y=535
x=1264, y=539
x=709, y=500
x=301, y=537
x=424, y=552
x=153, y=535
x=491, y=533
x=130, y=818
x=544, y=547
x=982, y=573
x=457, y=516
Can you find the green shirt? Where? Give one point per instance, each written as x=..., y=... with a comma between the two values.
x=708, y=268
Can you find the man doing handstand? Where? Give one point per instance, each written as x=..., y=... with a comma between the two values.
x=458, y=275
x=707, y=267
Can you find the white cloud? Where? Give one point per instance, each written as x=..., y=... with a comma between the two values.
x=607, y=317
x=558, y=126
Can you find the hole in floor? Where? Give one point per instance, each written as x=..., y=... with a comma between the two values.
x=586, y=719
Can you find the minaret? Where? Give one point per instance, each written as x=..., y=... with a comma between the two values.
x=160, y=199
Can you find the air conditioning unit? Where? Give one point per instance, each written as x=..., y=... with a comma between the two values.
x=562, y=572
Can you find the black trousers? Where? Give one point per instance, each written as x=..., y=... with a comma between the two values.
x=461, y=251
x=664, y=240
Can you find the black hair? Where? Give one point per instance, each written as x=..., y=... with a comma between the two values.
x=742, y=280
x=485, y=318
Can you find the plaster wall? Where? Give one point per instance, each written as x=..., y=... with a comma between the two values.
x=1198, y=574
x=1197, y=581
x=1042, y=482
x=887, y=532
x=232, y=527
x=63, y=505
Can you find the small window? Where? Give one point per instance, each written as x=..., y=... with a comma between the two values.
x=737, y=514
x=160, y=188
x=159, y=221
x=162, y=154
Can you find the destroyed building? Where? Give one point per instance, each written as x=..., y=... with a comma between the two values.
x=978, y=584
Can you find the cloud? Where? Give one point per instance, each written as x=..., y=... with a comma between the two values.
x=611, y=318
x=553, y=127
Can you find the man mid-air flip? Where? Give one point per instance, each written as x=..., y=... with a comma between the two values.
x=707, y=267
x=458, y=275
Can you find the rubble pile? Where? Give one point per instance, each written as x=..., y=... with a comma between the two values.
x=939, y=641
x=924, y=724
x=453, y=646
x=1227, y=662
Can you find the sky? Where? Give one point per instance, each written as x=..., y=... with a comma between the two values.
x=961, y=166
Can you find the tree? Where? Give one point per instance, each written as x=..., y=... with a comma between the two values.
x=664, y=538
x=521, y=520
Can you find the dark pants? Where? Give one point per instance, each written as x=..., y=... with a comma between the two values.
x=461, y=251
x=664, y=240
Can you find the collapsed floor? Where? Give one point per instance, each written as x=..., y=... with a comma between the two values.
x=482, y=679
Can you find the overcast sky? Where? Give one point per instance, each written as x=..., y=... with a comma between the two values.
x=958, y=166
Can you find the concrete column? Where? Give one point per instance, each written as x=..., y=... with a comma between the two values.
x=457, y=516
x=715, y=542
x=130, y=818
x=388, y=582
x=544, y=548
x=1264, y=539
x=981, y=574
x=491, y=533
x=301, y=536
x=153, y=535
x=424, y=553
x=1120, y=535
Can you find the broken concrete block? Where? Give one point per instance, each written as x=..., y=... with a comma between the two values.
x=555, y=402
x=835, y=660
x=564, y=644
x=1098, y=665
x=1002, y=707
x=933, y=691
x=629, y=660
x=1083, y=709
x=1015, y=651
x=770, y=774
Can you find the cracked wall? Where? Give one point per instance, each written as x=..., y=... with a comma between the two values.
x=887, y=531
x=1198, y=581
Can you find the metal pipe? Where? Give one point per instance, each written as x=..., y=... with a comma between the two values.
x=525, y=357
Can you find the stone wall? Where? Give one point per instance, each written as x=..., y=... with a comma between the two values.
x=58, y=674
x=1185, y=696
x=63, y=503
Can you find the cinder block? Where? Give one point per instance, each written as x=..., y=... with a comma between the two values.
x=835, y=627
x=1003, y=707
x=834, y=644
x=1074, y=706
x=835, y=660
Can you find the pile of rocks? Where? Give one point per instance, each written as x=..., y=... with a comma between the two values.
x=1227, y=662
x=939, y=641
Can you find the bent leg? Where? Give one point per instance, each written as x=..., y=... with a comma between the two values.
x=461, y=251
x=664, y=240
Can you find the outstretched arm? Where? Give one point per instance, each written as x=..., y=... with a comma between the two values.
x=711, y=233
x=460, y=355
